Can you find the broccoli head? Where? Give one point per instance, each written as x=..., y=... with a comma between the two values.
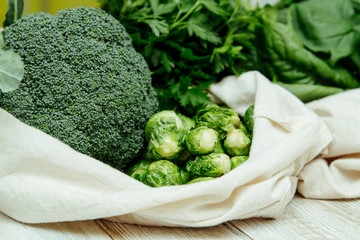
x=84, y=83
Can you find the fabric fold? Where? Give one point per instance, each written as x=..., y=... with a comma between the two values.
x=335, y=174
x=44, y=180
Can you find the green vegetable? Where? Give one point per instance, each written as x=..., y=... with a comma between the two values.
x=84, y=83
x=218, y=118
x=187, y=122
x=188, y=44
x=210, y=165
x=309, y=92
x=219, y=148
x=237, y=160
x=139, y=169
x=185, y=175
x=333, y=31
x=249, y=119
x=286, y=59
x=163, y=173
x=15, y=9
x=165, y=134
x=200, y=179
x=11, y=68
x=237, y=143
x=201, y=140
x=203, y=158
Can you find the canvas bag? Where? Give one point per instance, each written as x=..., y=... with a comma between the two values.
x=335, y=174
x=44, y=180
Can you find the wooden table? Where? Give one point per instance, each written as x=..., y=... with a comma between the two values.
x=302, y=219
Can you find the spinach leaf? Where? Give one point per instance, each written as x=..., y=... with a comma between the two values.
x=326, y=27
x=309, y=92
x=11, y=68
x=15, y=9
x=286, y=60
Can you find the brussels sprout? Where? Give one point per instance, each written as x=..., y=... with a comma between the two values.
x=219, y=148
x=248, y=119
x=187, y=122
x=163, y=173
x=208, y=108
x=219, y=118
x=139, y=169
x=201, y=140
x=211, y=165
x=168, y=148
x=237, y=143
x=237, y=160
x=185, y=175
x=200, y=179
x=165, y=134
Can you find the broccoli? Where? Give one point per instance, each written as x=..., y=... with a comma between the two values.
x=84, y=83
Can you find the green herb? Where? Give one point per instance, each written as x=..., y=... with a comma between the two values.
x=15, y=9
x=188, y=44
x=11, y=68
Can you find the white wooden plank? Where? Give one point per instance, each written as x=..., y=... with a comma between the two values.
x=104, y=230
x=308, y=219
x=302, y=219
x=138, y=232
x=85, y=230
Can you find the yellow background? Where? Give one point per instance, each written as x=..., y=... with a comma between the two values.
x=51, y=6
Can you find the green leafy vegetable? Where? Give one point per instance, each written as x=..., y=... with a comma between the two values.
x=201, y=140
x=200, y=179
x=309, y=92
x=219, y=148
x=218, y=118
x=166, y=161
x=187, y=122
x=163, y=173
x=139, y=169
x=185, y=175
x=210, y=165
x=332, y=31
x=165, y=134
x=286, y=59
x=192, y=43
x=15, y=9
x=11, y=68
x=249, y=119
x=237, y=160
x=237, y=143
x=188, y=44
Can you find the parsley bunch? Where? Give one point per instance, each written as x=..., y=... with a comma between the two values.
x=189, y=44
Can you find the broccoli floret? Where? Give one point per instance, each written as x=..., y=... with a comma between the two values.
x=84, y=83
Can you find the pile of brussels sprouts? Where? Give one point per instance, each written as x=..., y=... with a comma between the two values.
x=183, y=150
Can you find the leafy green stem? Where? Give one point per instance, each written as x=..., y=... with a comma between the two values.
x=178, y=22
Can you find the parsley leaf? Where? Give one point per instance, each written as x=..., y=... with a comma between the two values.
x=188, y=44
x=157, y=26
x=195, y=96
x=197, y=25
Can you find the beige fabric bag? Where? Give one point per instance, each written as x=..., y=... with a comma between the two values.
x=44, y=180
x=336, y=173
